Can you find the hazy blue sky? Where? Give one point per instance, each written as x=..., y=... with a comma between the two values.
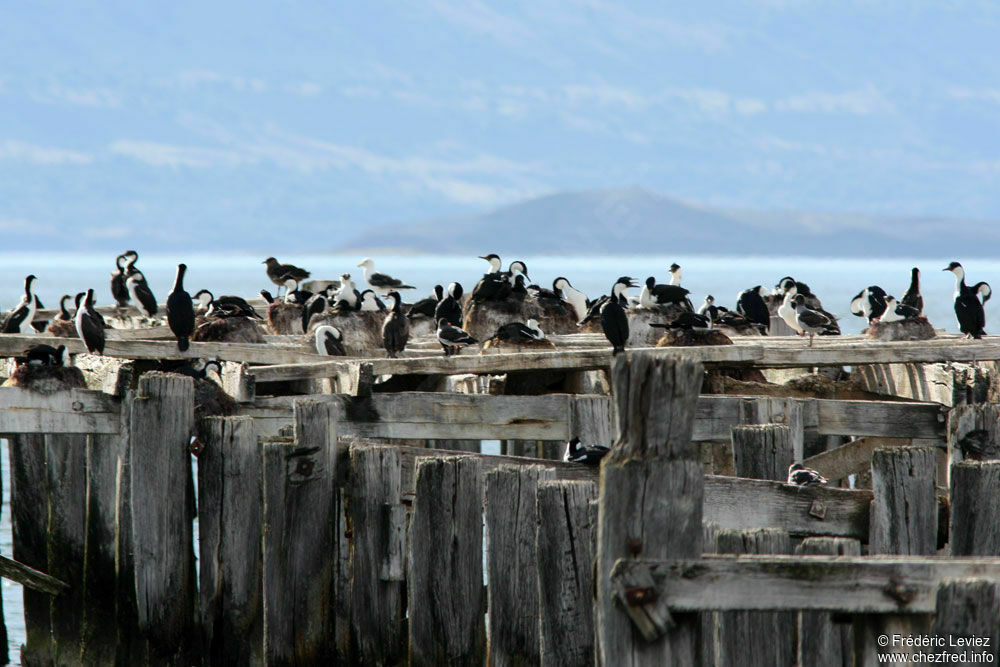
x=312, y=120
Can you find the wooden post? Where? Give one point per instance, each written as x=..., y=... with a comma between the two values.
x=66, y=458
x=903, y=521
x=762, y=452
x=129, y=646
x=512, y=572
x=446, y=563
x=785, y=411
x=230, y=479
x=162, y=531
x=29, y=509
x=100, y=631
x=975, y=514
x=378, y=623
x=299, y=544
x=591, y=420
x=904, y=511
x=564, y=545
x=755, y=637
x=651, y=496
x=969, y=609
x=823, y=643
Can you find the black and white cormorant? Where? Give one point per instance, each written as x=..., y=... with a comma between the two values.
x=519, y=332
x=369, y=302
x=750, y=303
x=19, y=319
x=450, y=307
x=64, y=313
x=347, y=297
x=226, y=305
x=180, y=311
x=800, y=475
x=45, y=355
x=425, y=307
x=676, y=273
x=912, y=296
x=614, y=322
x=90, y=325
x=807, y=320
x=896, y=312
x=686, y=321
x=968, y=308
x=452, y=338
x=330, y=341
x=119, y=292
x=395, y=328
x=316, y=305
x=277, y=271
x=661, y=295
x=789, y=284
x=139, y=290
x=381, y=282
x=292, y=292
x=869, y=303
x=572, y=296
x=589, y=454
x=709, y=309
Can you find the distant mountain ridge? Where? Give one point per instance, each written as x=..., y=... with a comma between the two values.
x=637, y=221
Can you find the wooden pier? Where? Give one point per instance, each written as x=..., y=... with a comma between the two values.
x=344, y=507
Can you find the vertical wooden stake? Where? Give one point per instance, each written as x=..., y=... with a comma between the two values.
x=823, y=643
x=762, y=452
x=969, y=609
x=975, y=513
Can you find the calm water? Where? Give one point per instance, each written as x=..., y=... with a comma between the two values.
x=835, y=281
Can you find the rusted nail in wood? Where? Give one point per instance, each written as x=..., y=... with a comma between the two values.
x=635, y=547
x=196, y=446
x=899, y=592
x=817, y=509
x=77, y=406
x=637, y=595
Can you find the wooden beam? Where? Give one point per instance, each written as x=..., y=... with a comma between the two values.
x=851, y=584
x=30, y=577
x=73, y=411
x=851, y=458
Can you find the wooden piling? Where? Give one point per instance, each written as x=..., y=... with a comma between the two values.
x=299, y=501
x=162, y=532
x=564, y=545
x=975, y=513
x=749, y=638
x=785, y=411
x=969, y=609
x=378, y=623
x=445, y=579
x=823, y=643
x=511, y=568
x=763, y=451
x=29, y=510
x=650, y=505
x=904, y=509
x=230, y=480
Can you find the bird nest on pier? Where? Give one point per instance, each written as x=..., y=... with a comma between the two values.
x=693, y=337
x=912, y=328
x=46, y=379
x=497, y=346
x=228, y=330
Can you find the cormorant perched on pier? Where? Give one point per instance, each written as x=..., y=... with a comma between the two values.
x=90, y=325
x=180, y=311
x=395, y=328
x=292, y=292
x=750, y=303
x=800, y=475
x=62, y=325
x=19, y=319
x=226, y=305
x=897, y=312
x=518, y=332
x=139, y=289
x=968, y=308
x=589, y=454
x=370, y=303
x=869, y=303
x=426, y=306
x=330, y=341
x=316, y=305
x=381, y=282
x=119, y=291
x=450, y=307
x=276, y=272
x=452, y=338
x=912, y=297
x=613, y=318
x=572, y=296
x=660, y=295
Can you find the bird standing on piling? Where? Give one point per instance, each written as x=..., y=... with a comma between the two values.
x=19, y=319
x=380, y=282
x=614, y=322
x=452, y=338
x=139, y=290
x=180, y=311
x=90, y=325
x=277, y=271
x=395, y=328
x=968, y=308
x=912, y=296
x=119, y=291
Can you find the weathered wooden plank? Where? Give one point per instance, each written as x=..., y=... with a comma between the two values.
x=378, y=623
x=299, y=498
x=763, y=451
x=974, y=432
x=851, y=457
x=651, y=497
x=823, y=643
x=66, y=466
x=129, y=645
x=73, y=411
x=904, y=512
x=950, y=384
x=748, y=638
x=565, y=534
x=230, y=495
x=969, y=609
x=31, y=578
x=445, y=578
x=975, y=512
x=29, y=525
x=873, y=584
x=511, y=566
x=100, y=632
x=162, y=532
